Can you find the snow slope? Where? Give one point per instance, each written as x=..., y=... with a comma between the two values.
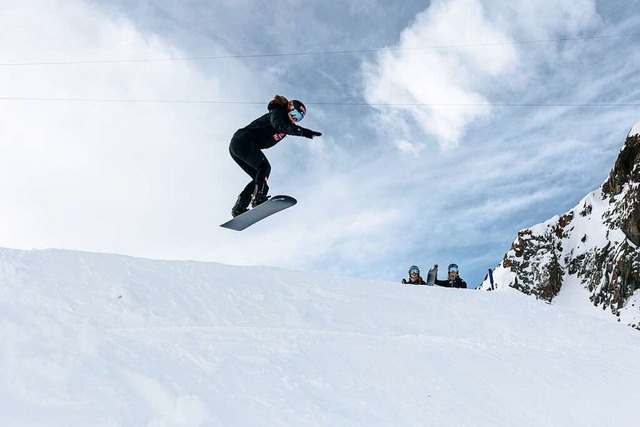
x=108, y=340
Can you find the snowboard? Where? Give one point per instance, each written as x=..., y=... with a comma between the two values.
x=260, y=212
x=431, y=275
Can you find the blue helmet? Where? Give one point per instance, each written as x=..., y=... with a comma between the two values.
x=453, y=268
x=414, y=270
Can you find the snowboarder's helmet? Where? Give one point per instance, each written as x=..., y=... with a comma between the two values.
x=414, y=270
x=297, y=110
x=453, y=268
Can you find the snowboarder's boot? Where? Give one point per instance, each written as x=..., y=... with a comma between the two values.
x=260, y=195
x=242, y=204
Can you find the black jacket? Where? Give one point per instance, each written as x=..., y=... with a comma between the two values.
x=418, y=281
x=269, y=129
x=458, y=283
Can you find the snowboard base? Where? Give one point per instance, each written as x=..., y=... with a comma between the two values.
x=260, y=212
x=431, y=275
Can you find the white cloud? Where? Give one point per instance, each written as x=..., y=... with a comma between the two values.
x=109, y=176
x=463, y=76
x=440, y=76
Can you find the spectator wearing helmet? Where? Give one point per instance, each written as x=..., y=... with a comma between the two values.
x=453, y=279
x=264, y=132
x=414, y=277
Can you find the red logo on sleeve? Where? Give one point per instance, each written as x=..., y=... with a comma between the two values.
x=279, y=136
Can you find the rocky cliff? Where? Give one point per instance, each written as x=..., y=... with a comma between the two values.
x=591, y=252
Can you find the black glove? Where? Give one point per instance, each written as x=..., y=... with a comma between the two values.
x=404, y=281
x=308, y=133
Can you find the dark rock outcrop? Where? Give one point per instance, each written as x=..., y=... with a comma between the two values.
x=595, y=246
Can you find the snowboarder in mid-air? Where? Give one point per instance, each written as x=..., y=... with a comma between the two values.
x=264, y=132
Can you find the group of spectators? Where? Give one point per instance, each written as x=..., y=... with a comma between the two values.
x=453, y=278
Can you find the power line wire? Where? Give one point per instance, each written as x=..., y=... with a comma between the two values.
x=338, y=104
x=318, y=53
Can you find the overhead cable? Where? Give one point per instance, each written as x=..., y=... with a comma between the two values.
x=338, y=104
x=317, y=53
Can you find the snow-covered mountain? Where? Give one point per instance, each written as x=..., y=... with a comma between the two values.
x=590, y=256
x=108, y=340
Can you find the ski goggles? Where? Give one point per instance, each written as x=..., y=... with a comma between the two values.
x=296, y=114
x=414, y=271
x=453, y=268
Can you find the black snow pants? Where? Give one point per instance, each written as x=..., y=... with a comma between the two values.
x=252, y=160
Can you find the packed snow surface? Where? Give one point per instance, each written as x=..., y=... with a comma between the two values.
x=108, y=340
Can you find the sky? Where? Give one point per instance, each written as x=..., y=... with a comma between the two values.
x=448, y=126
x=108, y=340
